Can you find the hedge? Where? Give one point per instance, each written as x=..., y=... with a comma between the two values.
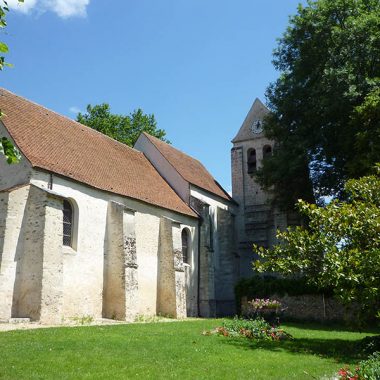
x=267, y=286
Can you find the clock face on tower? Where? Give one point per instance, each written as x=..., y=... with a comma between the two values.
x=257, y=126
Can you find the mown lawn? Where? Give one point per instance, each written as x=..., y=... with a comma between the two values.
x=174, y=350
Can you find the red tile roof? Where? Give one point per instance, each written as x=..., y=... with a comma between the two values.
x=189, y=168
x=63, y=146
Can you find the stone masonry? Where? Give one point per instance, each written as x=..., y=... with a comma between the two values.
x=31, y=262
x=120, y=284
x=171, y=296
x=257, y=219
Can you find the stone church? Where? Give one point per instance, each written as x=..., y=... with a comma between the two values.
x=92, y=227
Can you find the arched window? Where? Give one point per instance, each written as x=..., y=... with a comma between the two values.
x=185, y=245
x=267, y=151
x=67, y=223
x=251, y=161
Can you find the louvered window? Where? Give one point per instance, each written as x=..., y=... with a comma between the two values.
x=67, y=223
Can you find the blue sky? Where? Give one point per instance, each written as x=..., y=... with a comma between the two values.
x=197, y=65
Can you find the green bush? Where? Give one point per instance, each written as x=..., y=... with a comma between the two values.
x=370, y=369
x=366, y=370
x=266, y=286
x=257, y=329
x=369, y=344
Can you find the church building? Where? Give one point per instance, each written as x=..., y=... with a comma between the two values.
x=257, y=219
x=92, y=227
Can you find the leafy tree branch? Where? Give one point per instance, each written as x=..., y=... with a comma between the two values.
x=325, y=104
x=10, y=152
x=339, y=248
x=123, y=128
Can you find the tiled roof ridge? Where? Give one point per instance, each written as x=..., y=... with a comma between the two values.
x=92, y=130
x=108, y=165
x=156, y=142
x=171, y=146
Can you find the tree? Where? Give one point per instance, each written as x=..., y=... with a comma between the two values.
x=339, y=248
x=125, y=129
x=11, y=153
x=325, y=104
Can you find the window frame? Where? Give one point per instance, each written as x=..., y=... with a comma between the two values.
x=251, y=160
x=186, y=258
x=70, y=247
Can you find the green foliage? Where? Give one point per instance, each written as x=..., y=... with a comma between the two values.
x=370, y=369
x=3, y=23
x=257, y=329
x=11, y=153
x=125, y=129
x=366, y=370
x=266, y=286
x=83, y=320
x=340, y=247
x=369, y=344
x=325, y=104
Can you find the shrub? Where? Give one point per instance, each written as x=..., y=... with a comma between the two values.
x=262, y=303
x=266, y=286
x=370, y=369
x=367, y=370
x=267, y=309
x=250, y=328
x=370, y=344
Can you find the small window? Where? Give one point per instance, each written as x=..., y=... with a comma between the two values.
x=251, y=161
x=185, y=245
x=267, y=151
x=67, y=223
x=211, y=247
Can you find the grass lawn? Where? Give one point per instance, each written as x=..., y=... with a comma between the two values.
x=172, y=350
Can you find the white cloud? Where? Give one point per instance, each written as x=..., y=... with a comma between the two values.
x=63, y=8
x=68, y=8
x=24, y=7
x=75, y=110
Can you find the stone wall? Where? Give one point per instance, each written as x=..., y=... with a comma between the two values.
x=218, y=259
x=207, y=302
x=85, y=266
x=120, y=281
x=13, y=175
x=257, y=220
x=227, y=266
x=110, y=271
x=307, y=308
x=12, y=208
x=171, y=292
x=31, y=259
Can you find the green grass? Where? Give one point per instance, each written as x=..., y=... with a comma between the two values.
x=174, y=350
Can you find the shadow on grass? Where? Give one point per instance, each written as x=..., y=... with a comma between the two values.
x=348, y=350
x=339, y=349
x=331, y=327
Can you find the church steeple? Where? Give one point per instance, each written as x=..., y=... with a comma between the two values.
x=256, y=219
x=252, y=123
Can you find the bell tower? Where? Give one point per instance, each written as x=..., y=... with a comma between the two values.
x=256, y=220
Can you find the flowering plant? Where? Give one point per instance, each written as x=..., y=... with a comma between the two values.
x=256, y=329
x=261, y=303
x=367, y=369
x=347, y=374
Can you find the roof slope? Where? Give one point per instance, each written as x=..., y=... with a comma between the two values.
x=258, y=111
x=189, y=168
x=63, y=146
